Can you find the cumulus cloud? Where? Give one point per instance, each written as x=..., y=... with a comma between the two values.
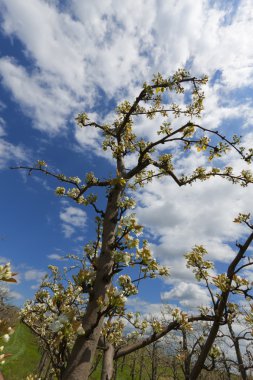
x=74, y=219
x=15, y=295
x=137, y=304
x=43, y=101
x=185, y=216
x=55, y=256
x=178, y=218
x=86, y=54
x=188, y=295
x=34, y=274
x=10, y=153
x=83, y=47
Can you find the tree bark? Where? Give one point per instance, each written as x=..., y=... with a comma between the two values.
x=84, y=349
x=122, y=363
x=42, y=363
x=115, y=370
x=107, y=367
x=154, y=362
x=227, y=368
x=141, y=366
x=238, y=353
x=128, y=348
x=133, y=368
x=187, y=360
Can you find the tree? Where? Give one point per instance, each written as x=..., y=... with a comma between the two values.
x=222, y=289
x=56, y=313
x=228, y=283
x=55, y=316
x=7, y=318
x=239, y=341
x=114, y=250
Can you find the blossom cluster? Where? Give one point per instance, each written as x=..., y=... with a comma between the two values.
x=113, y=330
x=195, y=261
x=55, y=315
x=182, y=318
x=215, y=351
x=6, y=275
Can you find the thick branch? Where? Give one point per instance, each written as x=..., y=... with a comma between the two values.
x=125, y=350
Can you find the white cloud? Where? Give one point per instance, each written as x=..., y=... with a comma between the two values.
x=147, y=309
x=89, y=44
x=73, y=219
x=188, y=295
x=73, y=216
x=179, y=218
x=4, y=260
x=43, y=100
x=9, y=153
x=67, y=230
x=34, y=275
x=2, y=124
x=15, y=295
x=55, y=256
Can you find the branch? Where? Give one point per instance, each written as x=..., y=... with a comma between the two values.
x=142, y=95
x=63, y=178
x=222, y=302
x=97, y=210
x=60, y=177
x=127, y=349
x=243, y=266
x=221, y=137
x=161, y=141
x=158, y=111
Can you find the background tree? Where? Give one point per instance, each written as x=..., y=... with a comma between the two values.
x=7, y=314
x=179, y=127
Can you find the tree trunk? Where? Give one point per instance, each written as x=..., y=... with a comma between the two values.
x=84, y=349
x=47, y=368
x=238, y=353
x=175, y=371
x=123, y=363
x=187, y=361
x=227, y=368
x=115, y=370
x=133, y=368
x=141, y=365
x=42, y=363
x=209, y=342
x=107, y=368
x=154, y=362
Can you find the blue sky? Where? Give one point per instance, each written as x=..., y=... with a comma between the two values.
x=61, y=58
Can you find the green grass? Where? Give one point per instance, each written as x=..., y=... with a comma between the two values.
x=25, y=353
x=124, y=371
